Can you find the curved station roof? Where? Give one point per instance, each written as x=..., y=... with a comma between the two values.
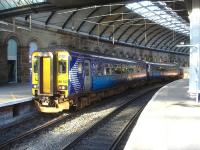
x=154, y=25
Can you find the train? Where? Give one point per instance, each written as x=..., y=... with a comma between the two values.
x=65, y=79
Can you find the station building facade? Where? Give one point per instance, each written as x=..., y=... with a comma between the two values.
x=16, y=48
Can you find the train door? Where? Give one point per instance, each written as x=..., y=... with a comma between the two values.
x=87, y=77
x=46, y=74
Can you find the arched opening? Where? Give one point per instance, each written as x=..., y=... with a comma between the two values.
x=32, y=47
x=12, y=60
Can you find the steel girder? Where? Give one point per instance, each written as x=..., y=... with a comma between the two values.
x=83, y=22
x=138, y=29
x=49, y=18
x=119, y=28
x=169, y=35
x=179, y=39
x=106, y=28
x=68, y=19
x=169, y=39
x=102, y=18
x=124, y=32
x=27, y=9
x=155, y=39
x=164, y=39
x=150, y=33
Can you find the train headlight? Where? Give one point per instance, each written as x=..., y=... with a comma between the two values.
x=62, y=87
x=35, y=86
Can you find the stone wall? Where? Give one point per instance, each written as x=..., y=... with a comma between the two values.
x=45, y=38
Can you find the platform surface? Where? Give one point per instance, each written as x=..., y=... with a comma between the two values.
x=11, y=94
x=170, y=121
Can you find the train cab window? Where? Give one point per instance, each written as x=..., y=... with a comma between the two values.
x=35, y=65
x=62, y=67
x=80, y=67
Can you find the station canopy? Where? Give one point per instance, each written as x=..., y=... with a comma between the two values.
x=154, y=25
x=161, y=14
x=10, y=4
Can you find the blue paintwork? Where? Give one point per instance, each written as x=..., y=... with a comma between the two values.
x=106, y=81
x=76, y=79
x=156, y=74
x=98, y=82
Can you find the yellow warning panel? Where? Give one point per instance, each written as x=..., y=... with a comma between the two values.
x=46, y=75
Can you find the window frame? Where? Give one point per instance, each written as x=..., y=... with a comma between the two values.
x=65, y=69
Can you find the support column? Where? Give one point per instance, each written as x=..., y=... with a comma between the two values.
x=24, y=65
x=194, y=79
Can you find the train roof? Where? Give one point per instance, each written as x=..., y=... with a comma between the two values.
x=108, y=57
x=98, y=55
x=161, y=64
x=93, y=54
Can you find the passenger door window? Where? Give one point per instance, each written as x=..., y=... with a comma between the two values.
x=87, y=80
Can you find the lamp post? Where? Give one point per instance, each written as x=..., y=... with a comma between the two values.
x=196, y=48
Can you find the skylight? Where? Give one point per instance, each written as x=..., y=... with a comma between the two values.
x=8, y=4
x=159, y=13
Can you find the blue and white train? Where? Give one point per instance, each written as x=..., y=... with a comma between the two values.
x=62, y=79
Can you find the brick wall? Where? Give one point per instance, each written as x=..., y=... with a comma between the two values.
x=45, y=38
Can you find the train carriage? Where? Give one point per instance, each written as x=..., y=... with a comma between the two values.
x=162, y=70
x=62, y=79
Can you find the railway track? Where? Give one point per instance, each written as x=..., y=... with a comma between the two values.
x=21, y=136
x=108, y=132
x=130, y=98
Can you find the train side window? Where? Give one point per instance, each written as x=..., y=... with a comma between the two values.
x=99, y=69
x=35, y=66
x=107, y=71
x=113, y=71
x=138, y=69
x=62, y=67
x=80, y=67
x=130, y=70
x=117, y=70
x=124, y=69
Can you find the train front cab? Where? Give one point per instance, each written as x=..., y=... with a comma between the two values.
x=50, y=81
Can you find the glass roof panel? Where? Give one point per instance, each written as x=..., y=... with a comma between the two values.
x=134, y=6
x=154, y=8
x=146, y=3
x=160, y=13
x=142, y=10
x=7, y=4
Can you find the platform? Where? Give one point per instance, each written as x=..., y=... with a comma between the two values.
x=12, y=94
x=170, y=121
